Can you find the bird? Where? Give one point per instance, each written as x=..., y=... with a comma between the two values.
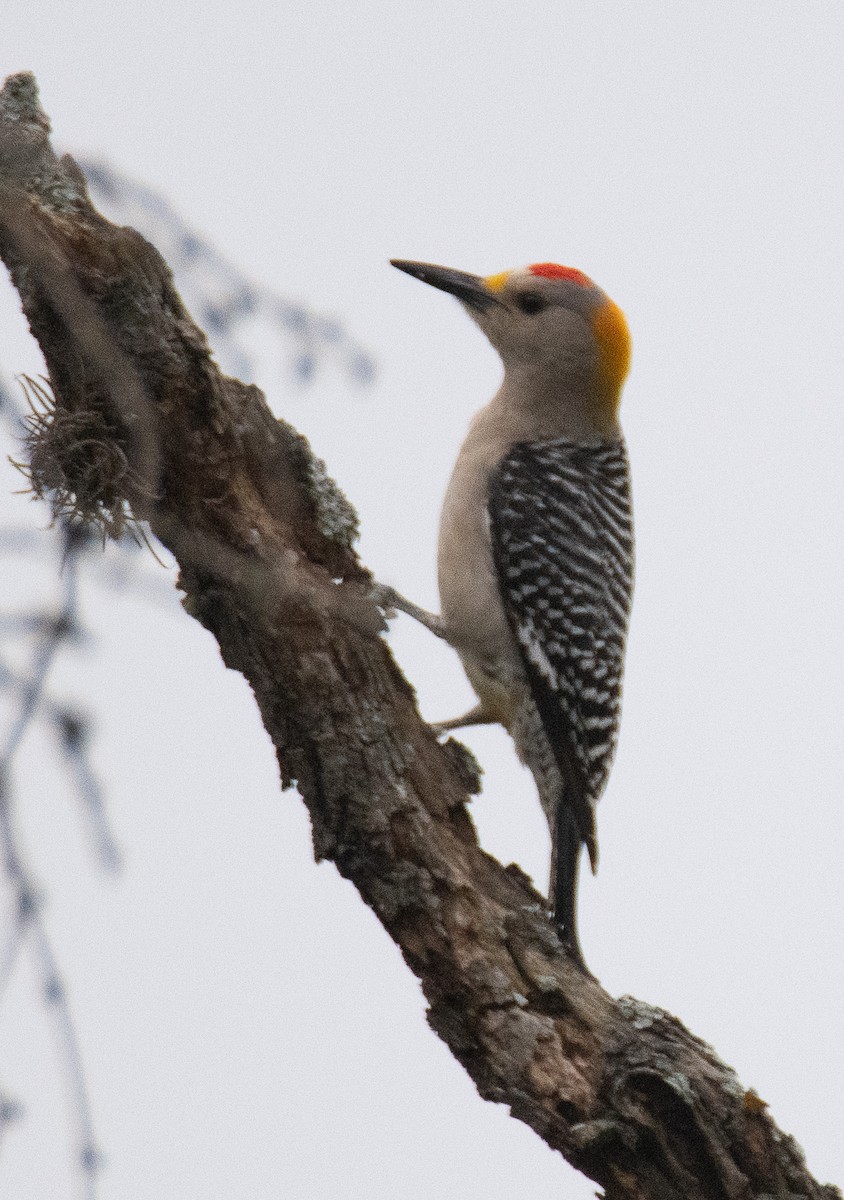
x=535, y=558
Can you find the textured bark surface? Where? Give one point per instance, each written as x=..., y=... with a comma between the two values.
x=264, y=540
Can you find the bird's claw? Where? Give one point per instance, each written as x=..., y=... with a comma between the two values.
x=383, y=597
x=390, y=601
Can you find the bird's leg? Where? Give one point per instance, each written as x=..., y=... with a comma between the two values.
x=475, y=716
x=387, y=598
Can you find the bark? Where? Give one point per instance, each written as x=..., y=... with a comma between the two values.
x=142, y=421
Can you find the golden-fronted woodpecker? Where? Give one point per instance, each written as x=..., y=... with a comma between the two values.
x=536, y=543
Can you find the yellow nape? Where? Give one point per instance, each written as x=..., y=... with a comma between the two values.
x=614, y=347
x=497, y=283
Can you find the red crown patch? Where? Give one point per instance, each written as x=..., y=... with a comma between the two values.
x=555, y=271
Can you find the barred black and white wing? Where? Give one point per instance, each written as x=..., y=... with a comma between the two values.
x=562, y=541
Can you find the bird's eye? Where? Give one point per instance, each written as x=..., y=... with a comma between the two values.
x=530, y=302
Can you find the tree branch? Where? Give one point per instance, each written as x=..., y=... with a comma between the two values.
x=145, y=426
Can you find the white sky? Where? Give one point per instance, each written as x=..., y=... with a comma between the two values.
x=248, y=1029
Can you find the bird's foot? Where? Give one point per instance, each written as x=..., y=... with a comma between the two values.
x=390, y=601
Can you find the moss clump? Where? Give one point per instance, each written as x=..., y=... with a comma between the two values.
x=76, y=463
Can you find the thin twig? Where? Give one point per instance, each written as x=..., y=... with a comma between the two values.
x=30, y=922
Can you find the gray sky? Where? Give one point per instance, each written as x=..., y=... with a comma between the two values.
x=247, y=1027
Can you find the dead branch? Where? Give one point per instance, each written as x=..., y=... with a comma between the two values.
x=264, y=542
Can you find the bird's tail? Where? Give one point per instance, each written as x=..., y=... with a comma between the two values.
x=565, y=860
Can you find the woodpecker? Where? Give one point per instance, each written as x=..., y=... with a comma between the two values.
x=535, y=558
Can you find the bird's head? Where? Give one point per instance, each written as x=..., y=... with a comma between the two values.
x=550, y=324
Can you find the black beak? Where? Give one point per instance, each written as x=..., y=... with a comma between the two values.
x=471, y=289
